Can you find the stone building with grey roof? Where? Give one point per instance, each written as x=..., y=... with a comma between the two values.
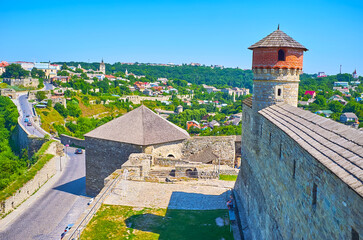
x=301, y=174
x=139, y=131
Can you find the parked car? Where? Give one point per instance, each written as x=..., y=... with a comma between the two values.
x=26, y=120
x=68, y=227
x=29, y=124
x=78, y=151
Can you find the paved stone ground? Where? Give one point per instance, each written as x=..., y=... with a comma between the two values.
x=192, y=195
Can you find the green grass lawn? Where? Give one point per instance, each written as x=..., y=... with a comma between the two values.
x=228, y=177
x=124, y=222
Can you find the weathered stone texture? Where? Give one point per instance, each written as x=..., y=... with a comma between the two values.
x=72, y=141
x=103, y=158
x=223, y=147
x=21, y=139
x=275, y=187
x=172, y=149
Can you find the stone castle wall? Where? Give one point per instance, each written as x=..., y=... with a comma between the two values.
x=22, y=139
x=267, y=84
x=274, y=189
x=72, y=141
x=222, y=146
x=103, y=158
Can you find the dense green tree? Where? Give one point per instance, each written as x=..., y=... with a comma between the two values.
x=40, y=95
x=15, y=71
x=61, y=109
x=35, y=73
x=73, y=108
x=336, y=106
x=63, y=73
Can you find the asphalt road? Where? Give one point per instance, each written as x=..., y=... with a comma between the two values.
x=27, y=110
x=61, y=205
x=48, y=86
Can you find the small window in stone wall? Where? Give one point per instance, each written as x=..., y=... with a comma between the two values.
x=269, y=139
x=279, y=92
x=355, y=234
x=294, y=170
x=315, y=195
x=282, y=55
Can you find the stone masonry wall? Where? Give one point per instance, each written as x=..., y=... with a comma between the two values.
x=222, y=146
x=274, y=189
x=21, y=139
x=166, y=149
x=33, y=185
x=72, y=141
x=103, y=157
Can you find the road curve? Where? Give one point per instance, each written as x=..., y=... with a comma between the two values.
x=26, y=110
x=61, y=205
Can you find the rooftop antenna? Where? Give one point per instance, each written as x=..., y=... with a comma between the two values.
x=278, y=26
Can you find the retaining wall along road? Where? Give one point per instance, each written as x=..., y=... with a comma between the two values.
x=42, y=176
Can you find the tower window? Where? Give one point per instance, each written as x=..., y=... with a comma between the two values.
x=282, y=55
x=279, y=92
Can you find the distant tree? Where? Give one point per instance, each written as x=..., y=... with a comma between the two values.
x=336, y=106
x=41, y=83
x=74, y=109
x=336, y=116
x=84, y=75
x=64, y=66
x=320, y=100
x=49, y=103
x=40, y=95
x=63, y=73
x=35, y=73
x=61, y=109
x=15, y=71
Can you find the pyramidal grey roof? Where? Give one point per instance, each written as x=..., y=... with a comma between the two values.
x=337, y=146
x=140, y=127
x=278, y=39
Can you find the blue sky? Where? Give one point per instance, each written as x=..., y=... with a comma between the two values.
x=208, y=32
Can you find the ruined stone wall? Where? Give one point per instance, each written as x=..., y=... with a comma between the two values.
x=168, y=149
x=222, y=146
x=274, y=189
x=103, y=157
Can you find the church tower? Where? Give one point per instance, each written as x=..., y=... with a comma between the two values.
x=277, y=63
x=102, y=67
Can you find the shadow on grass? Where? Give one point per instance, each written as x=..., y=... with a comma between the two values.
x=185, y=223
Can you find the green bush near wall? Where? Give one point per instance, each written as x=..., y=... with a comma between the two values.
x=40, y=159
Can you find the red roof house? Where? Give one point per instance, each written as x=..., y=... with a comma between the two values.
x=311, y=93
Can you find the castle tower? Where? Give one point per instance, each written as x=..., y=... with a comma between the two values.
x=102, y=67
x=277, y=63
